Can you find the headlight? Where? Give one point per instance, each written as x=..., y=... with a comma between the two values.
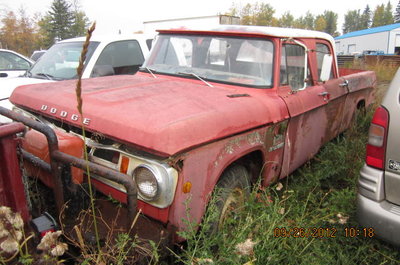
x=155, y=182
x=146, y=182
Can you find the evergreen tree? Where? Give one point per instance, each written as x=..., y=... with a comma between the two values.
x=365, y=20
x=47, y=39
x=397, y=14
x=388, y=14
x=61, y=20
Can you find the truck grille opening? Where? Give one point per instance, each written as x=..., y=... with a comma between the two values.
x=101, y=150
x=109, y=155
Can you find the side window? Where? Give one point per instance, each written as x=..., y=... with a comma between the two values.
x=293, y=66
x=283, y=68
x=121, y=57
x=323, y=53
x=9, y=61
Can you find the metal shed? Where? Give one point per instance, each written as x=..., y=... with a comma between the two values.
x=379, y=40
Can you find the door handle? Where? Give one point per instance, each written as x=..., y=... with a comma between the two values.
x=345, y=83
x=325, y=95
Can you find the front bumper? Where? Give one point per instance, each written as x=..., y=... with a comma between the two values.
x=64, y=188
x=383, y=217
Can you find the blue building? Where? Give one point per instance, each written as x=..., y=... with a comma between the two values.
x=384, y=39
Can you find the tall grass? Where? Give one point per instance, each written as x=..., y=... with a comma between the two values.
x=321, y=194
x=384, y=69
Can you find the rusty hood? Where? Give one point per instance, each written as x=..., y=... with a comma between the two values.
x=165, y=115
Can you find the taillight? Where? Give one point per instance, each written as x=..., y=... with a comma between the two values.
x=376, y=146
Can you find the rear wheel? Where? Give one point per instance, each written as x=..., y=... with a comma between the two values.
x=230, y=194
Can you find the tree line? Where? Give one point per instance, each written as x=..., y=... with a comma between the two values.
x=24, y=34
x=382, y=15
x=263, y=14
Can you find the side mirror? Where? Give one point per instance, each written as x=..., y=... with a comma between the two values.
x=3, y=75
x=326, y=68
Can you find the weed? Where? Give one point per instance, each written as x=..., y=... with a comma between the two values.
x=14, y=242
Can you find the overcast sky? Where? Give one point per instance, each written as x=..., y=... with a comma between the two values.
x=129, y=15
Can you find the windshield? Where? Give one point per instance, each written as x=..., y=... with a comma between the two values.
x=61, y=60
x=245, y=61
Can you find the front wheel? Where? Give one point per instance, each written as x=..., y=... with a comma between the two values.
x=230, y=194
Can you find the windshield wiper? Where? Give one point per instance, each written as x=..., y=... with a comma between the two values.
x=49, y=77
x=150, y=71
x=197, y=76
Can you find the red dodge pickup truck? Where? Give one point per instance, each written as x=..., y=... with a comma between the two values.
x=214, y=108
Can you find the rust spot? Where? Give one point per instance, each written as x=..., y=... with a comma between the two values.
x=232, y=146
x=176, y=162
x=334, y=114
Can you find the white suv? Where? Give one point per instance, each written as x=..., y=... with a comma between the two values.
x=107, y=55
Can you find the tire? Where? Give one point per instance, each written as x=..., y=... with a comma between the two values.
x=229, y=196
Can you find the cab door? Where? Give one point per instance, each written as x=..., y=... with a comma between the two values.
x=306, y=105
x=336, y=89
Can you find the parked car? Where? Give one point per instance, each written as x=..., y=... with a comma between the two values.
x=209, y=110
x=13, y=64
x=37, y=54
x=107, y=55
x=378, y=199
x=373, y=52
